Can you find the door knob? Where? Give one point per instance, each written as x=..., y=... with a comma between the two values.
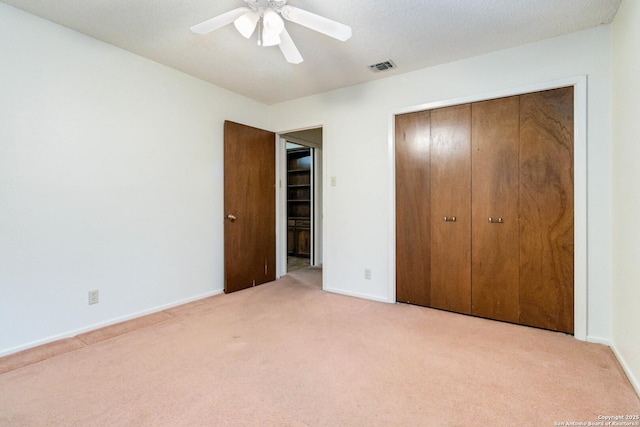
x=231, y=217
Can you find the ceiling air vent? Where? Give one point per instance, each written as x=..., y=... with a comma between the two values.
x=382, y=66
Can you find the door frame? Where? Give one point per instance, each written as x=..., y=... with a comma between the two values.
x=580, y=260
x=317, y=215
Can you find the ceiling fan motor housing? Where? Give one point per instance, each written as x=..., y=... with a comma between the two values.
x=276, y=5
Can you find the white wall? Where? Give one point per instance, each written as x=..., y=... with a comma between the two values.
x=626, y=188
x=110, y=179
x=357, y=153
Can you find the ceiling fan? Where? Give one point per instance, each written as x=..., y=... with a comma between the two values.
x=266, y=15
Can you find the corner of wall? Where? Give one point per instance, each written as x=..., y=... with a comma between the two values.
x=635, y=382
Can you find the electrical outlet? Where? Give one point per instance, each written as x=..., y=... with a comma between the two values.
x=93, y=297
x=334, y=181
x=367, y=273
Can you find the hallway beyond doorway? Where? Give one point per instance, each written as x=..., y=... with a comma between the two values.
x=296, y=263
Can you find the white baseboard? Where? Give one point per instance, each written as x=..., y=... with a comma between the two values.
x=627, y=370
x=598, y=340
x=632, y=378
x=356, y=294
x=109, y=322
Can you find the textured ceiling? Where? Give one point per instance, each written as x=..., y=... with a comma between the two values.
x=413, y=33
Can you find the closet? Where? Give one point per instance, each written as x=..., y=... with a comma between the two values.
x=484, y=209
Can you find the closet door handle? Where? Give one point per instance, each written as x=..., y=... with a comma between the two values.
x=496, y=221
x=449, y=219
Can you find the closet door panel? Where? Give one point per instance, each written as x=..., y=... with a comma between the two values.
x=451, y=197
x=546, y=205
x=413, y=232
x=495, y=256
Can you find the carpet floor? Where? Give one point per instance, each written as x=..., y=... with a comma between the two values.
x=288, y=354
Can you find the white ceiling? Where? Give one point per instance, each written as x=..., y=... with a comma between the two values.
x=413, y=33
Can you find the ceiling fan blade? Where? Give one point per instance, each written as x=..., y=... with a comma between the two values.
x=289, y=49
x=219, y=21
x=316, y=22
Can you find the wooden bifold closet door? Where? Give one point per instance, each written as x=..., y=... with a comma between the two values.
x=450, y=209
x=546, y=209
x=484, y=209
x=495, y=262
x=413, y=234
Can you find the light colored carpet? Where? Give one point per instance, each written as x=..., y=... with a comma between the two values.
x=288, y=354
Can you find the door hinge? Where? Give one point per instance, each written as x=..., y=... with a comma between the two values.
x=265, y=267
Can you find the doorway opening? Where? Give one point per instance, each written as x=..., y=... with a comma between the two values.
x=302, y=193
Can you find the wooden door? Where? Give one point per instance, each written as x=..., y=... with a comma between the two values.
x=495, y=256
x=451, y=198
x=546, y=209
x=413, y=232
x=303, y=239
x=249, y=206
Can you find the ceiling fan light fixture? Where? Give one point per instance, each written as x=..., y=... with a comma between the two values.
x=272, y=21
x=246, y=24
